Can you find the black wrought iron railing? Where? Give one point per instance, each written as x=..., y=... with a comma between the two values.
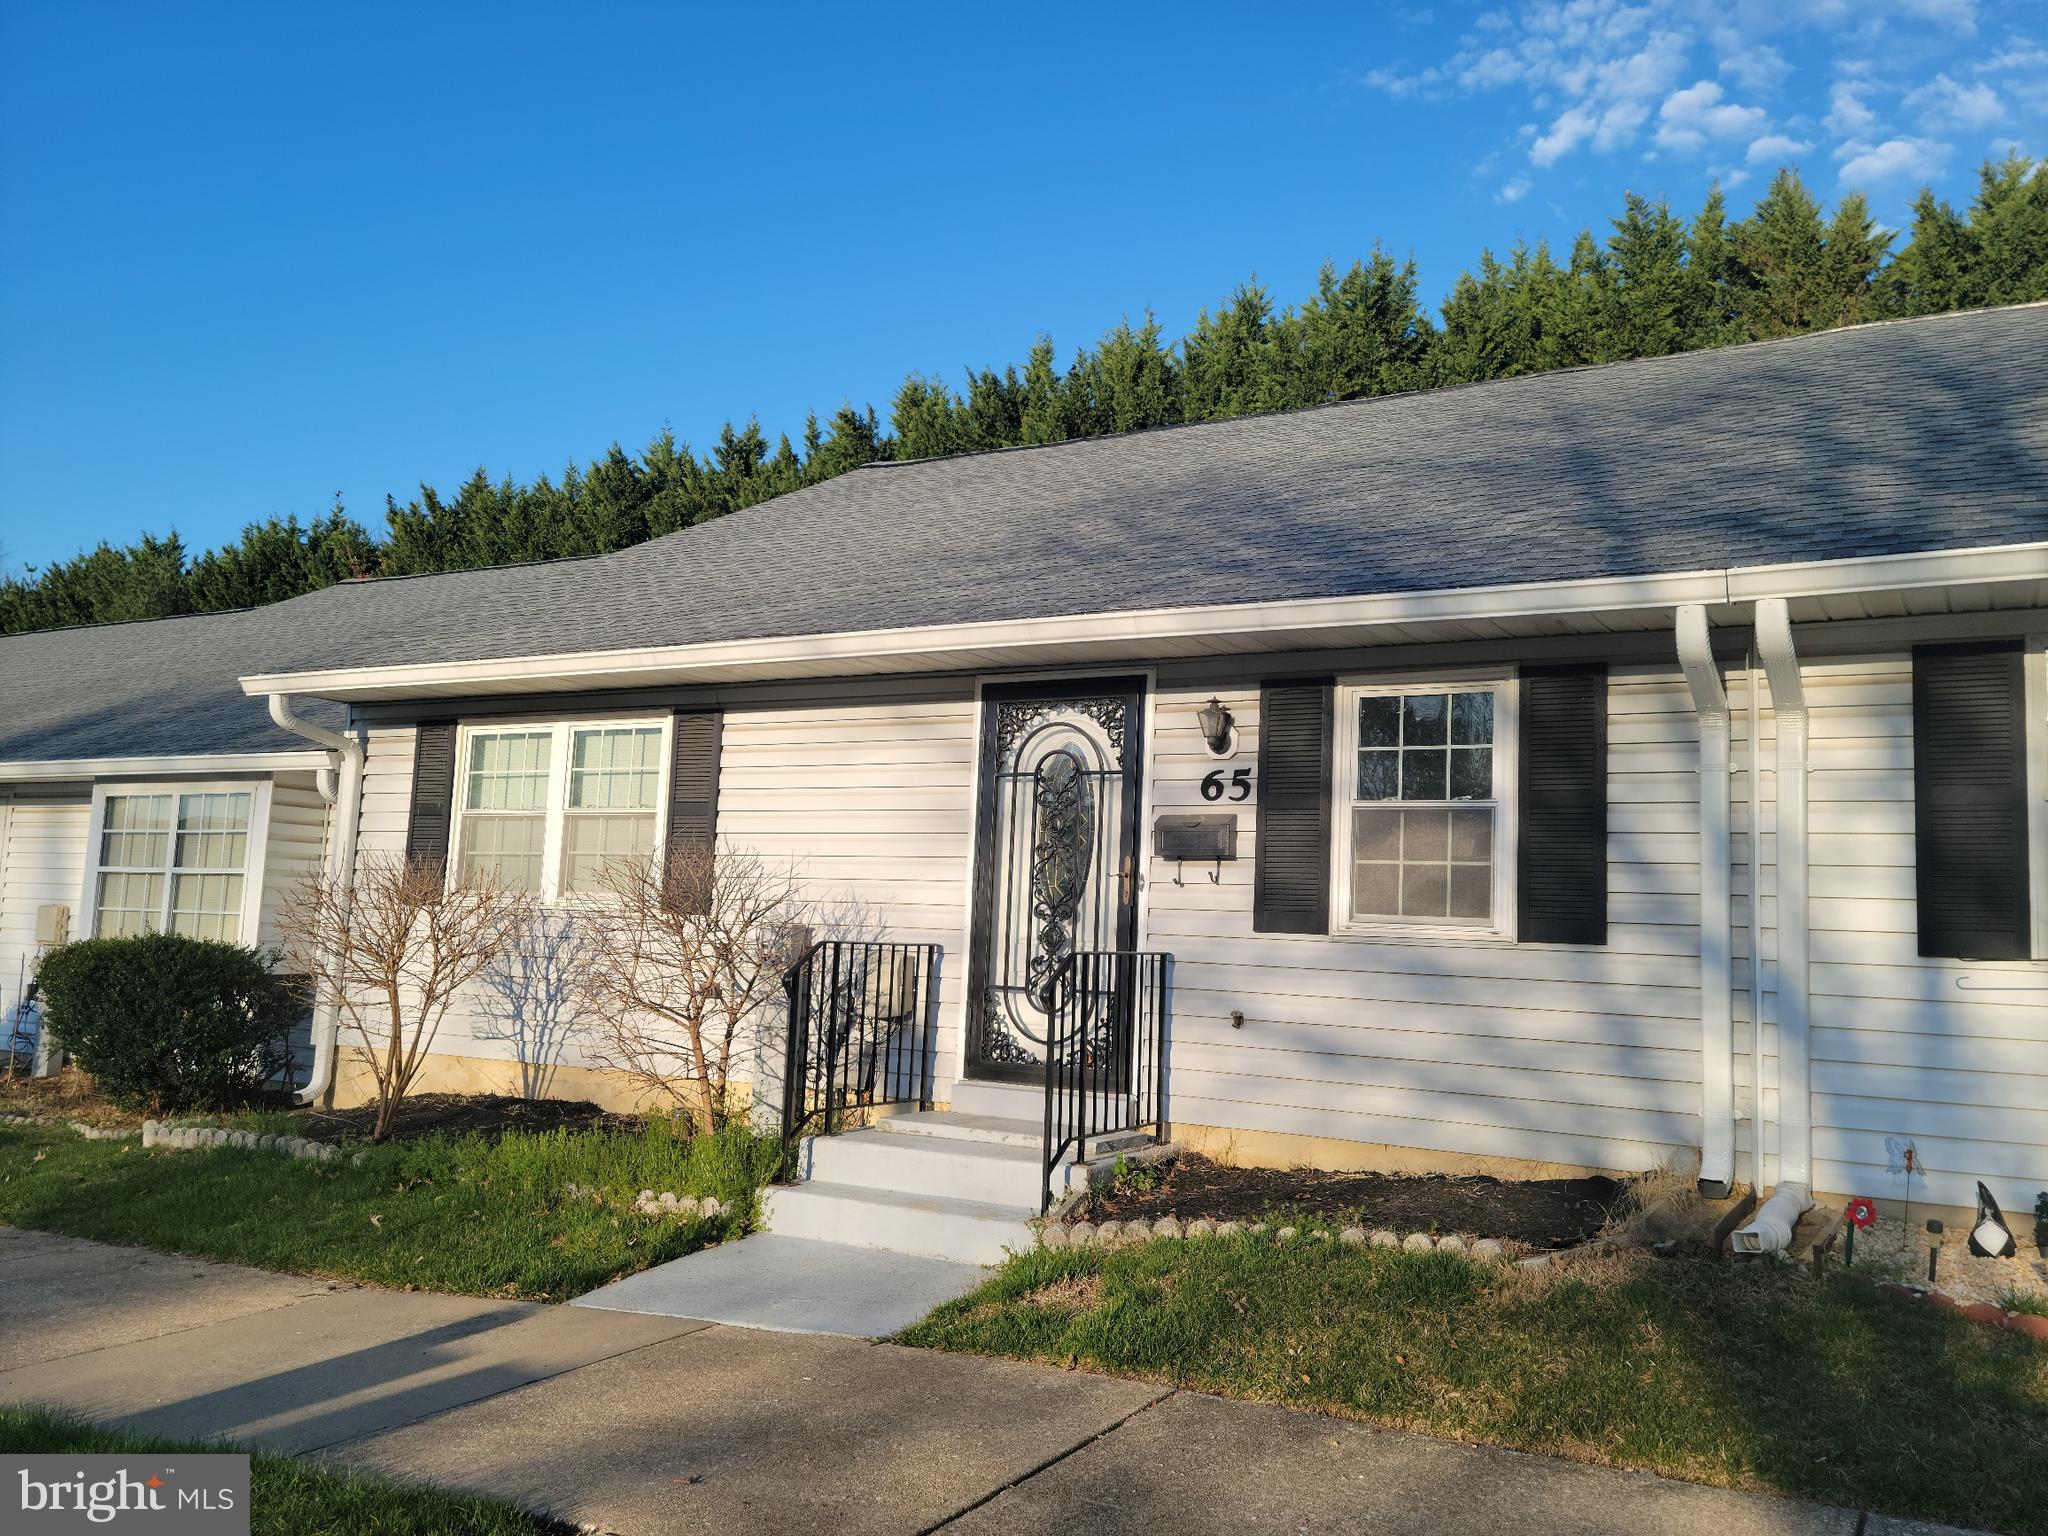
x=1105, y=1058
x=863, y=1031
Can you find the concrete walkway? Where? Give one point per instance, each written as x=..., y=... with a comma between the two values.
x=793, y=1285
x=642, y=1424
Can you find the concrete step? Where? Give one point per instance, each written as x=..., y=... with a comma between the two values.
x=965, y=1231
x=998, y=1172
x=999, y=1131
x=1004, y=1101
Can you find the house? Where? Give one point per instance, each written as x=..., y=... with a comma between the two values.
x=1373, y=785
x=140, y=789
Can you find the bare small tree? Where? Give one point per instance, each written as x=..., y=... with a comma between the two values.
x=391, y=949
x=686, y=952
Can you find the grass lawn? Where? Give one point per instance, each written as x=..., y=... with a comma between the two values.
x=1745, y=1376
x=471, y=1216
x=289, y=1497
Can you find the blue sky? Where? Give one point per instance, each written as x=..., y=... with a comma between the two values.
x=258, y=255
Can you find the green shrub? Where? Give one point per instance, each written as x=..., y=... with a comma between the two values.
x=167, y=1023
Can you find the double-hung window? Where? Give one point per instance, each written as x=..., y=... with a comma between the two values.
x=1424, y=807
x=173, y=859
x=545, y=808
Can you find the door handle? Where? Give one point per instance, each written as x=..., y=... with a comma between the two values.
x=1129, y=878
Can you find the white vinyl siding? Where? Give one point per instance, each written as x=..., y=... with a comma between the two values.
x=864, y=789
x=45, y=830
x=1950, y=1053
x=1575, y=1054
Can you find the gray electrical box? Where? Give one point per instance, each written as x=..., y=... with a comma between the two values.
x=1206, y=838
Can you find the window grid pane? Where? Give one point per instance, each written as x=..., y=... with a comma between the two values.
x=213, y=831
x=596, y=841
x=207, y=907
x=615, y=768
x=1423, y=862
x=507, y=849
x=508, y=770
x=1428, y=747
x=128, y=904
x=137, y=832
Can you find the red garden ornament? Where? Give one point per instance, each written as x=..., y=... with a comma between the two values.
x=1862, y=1212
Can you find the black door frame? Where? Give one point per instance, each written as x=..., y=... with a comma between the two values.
x=1135, y=688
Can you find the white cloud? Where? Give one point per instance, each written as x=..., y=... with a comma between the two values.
x=1513, y=191
x=1960, y=14
x=1691, y=117
x=1941, y=101
x=1847, y=114
x=1776, y=147
x=1757, y=68
x=1571, y=129
x=1893, y=160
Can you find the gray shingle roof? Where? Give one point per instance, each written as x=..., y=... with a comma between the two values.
x=1887, y=439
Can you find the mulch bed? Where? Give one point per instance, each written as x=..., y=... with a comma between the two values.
x=467, y=1114
x=1543, y=1213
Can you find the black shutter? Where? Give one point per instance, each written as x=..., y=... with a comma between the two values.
x=433, y=795
x=1970, y=801
x=1561, y=867
x=1291, y=877
x=693, y=778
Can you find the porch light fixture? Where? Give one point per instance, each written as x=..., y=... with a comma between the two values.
x=1215, y=722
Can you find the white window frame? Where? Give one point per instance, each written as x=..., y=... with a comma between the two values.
x=555, y=838
x=1507, y=742
x=254, y=862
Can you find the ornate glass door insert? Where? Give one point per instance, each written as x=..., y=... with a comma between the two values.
x=1058, y=847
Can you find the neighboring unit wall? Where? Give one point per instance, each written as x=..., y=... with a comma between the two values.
x=864, y=788
x=1951, y=1054
x=1577, y=1055
x=43, y=836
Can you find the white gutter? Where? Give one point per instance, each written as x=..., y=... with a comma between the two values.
x=1717, y=1015
x=191, y=765
x=1771, y=1231
x=341, y=786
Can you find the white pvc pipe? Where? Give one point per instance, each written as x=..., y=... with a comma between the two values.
x=1771, y=1231
x=1756, y=925
x=1717, y=1014
x=1788, y=708
x=341, y=785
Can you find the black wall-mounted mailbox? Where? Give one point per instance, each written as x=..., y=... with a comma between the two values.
x=1195, y=837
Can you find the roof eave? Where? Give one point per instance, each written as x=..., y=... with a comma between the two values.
x=1605, y=603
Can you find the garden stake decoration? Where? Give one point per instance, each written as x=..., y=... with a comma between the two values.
x=1933, y=1245
x=1902, y=1157
x=1862, y=1212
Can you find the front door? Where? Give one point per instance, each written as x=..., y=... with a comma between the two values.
x=1056, y=856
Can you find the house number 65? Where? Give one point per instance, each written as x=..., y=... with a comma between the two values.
x=1240, y=785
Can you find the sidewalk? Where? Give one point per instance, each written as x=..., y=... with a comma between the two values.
x=643, y=1424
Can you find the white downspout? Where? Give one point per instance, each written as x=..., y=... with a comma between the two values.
x=1717, y=1015
x=341, y=786
x=1771, y=1231
x=1753, y=746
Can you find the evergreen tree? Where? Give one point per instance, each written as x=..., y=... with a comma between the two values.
x=1782, y=249
x=1655, y=286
